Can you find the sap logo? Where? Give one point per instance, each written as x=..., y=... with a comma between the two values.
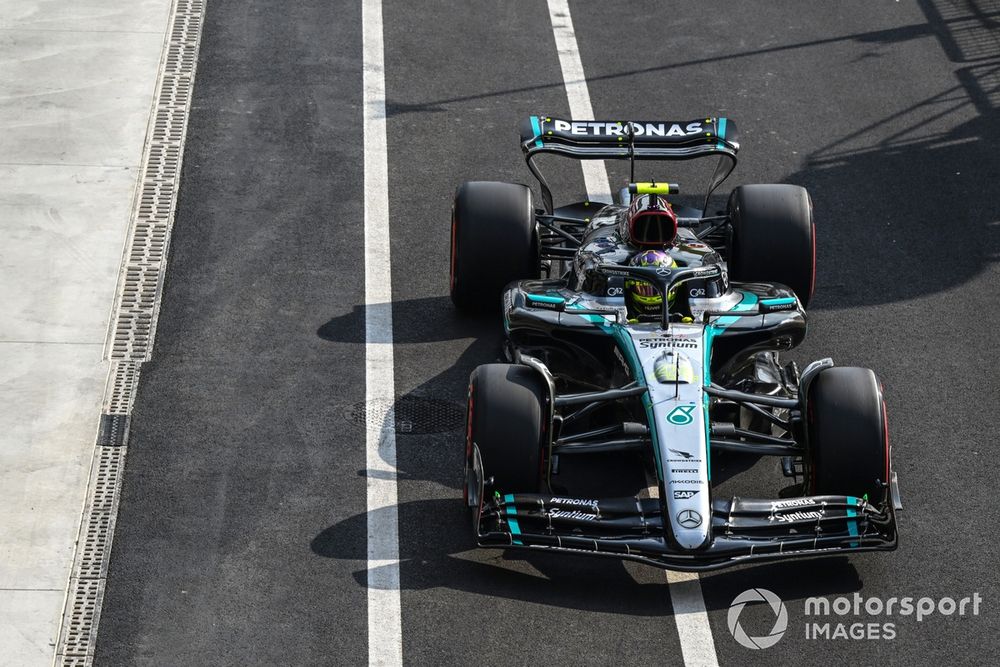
x=684, y=495
x=591, y=127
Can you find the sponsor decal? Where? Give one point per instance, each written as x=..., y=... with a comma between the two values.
x=685, y=456
x=697, y=292
x=795, y=502
x=796, y=516
x=684, y=494
x=689, y=471
x=580, y=502
x=681, y=415
x=663, y=271
x=592, y=128
x=688, y=519
x=686, y=481
x=572, y=514
x=616, y=291
x=657, y=343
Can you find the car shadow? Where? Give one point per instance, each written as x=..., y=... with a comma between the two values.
x=436, y=550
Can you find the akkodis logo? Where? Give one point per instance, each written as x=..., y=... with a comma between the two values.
x=780, y=618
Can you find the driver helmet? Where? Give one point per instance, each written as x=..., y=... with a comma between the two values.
x=641, y=297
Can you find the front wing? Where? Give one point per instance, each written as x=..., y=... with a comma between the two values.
x=742, y=529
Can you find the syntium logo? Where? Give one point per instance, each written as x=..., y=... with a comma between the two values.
x=657, y=343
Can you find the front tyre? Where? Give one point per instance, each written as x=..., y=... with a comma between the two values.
x=848, y=434
x=507, y=420
x=773, y=237
x=494, y=241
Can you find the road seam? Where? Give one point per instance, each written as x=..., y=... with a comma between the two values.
x=690, y=616
x=132, y=327
x=385, y=642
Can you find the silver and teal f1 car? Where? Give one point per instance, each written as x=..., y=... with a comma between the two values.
x=592, y=379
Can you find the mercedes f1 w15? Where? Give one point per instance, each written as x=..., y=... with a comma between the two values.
x=651, y=332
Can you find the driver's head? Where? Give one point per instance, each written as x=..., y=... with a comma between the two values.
x=641, y=298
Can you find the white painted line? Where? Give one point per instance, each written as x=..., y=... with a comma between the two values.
x=385, y=638
x=697, y=645
x=595, y=176
x=693, y=629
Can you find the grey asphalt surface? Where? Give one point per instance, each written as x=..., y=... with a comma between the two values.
x=241, y=534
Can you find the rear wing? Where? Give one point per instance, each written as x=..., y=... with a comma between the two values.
x=630, y=140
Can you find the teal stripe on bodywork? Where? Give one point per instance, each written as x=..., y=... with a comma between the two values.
x=536, y=127
x=748, y=301
x=722, y=133
x=852, y=524
x=544, y=298
x=515, y=528
x=777, y=302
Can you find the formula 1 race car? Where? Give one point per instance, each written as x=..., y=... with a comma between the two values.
x=650, y=333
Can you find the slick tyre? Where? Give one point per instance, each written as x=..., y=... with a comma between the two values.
x=773, y=237
x=848, y=434
x=494, y=241
x=507, y=421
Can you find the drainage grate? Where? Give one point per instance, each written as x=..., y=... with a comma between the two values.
x=145, y=258
x=80, y=626
x=95, y=534
x=133, y=329
x=412, y=415
x=124, y=380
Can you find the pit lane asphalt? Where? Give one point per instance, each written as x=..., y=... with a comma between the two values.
x=241, y=533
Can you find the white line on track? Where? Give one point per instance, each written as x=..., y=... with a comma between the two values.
x=595, y=176
x=693, y=629
x=385, y=641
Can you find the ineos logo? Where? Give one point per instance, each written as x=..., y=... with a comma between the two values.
x=780, y=618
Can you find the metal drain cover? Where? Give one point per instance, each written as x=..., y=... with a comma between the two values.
x=413, y=415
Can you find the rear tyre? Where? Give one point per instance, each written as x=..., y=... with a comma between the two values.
x=493, y=242
x=506, y=421
x=848, y=436
x=773, y=237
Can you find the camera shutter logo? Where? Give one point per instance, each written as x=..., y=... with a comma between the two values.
x=780, y=618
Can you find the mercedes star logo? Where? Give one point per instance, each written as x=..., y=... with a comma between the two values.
x=689, y=519
x=662, y=271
